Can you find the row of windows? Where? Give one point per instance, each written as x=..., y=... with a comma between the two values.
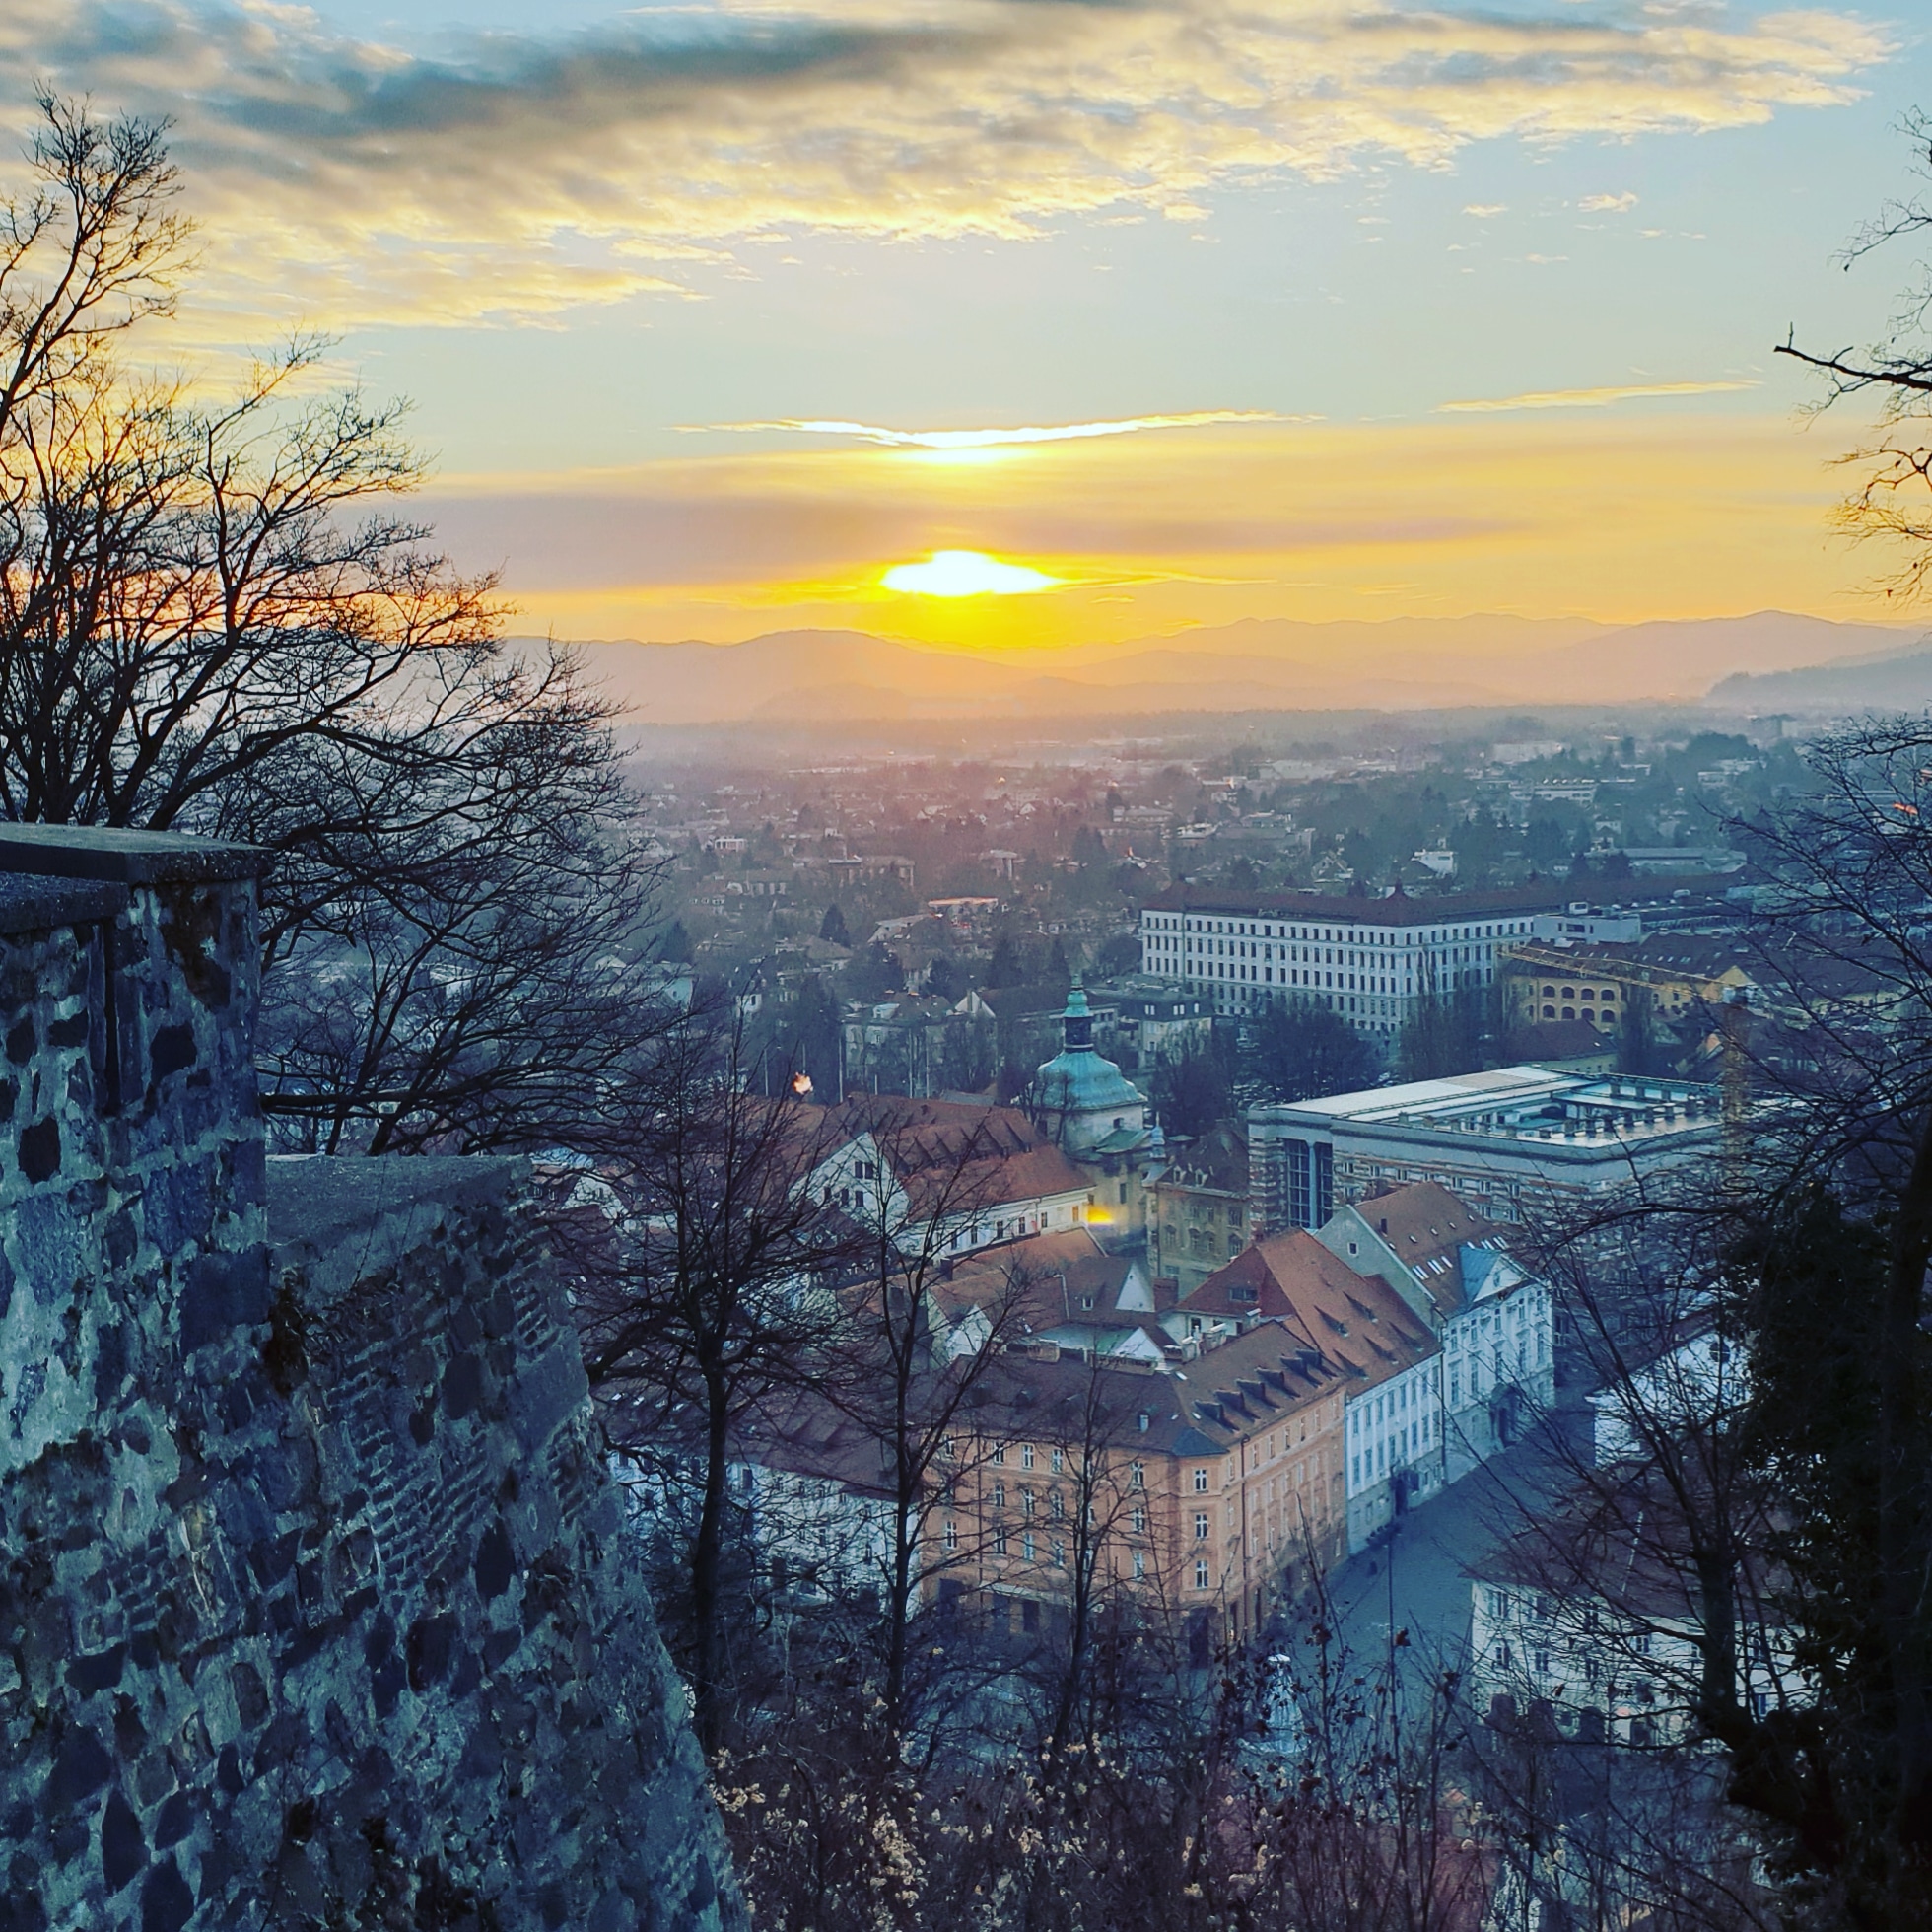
x=1174, y=923
x=1029, y=1549
x=1413, y=1439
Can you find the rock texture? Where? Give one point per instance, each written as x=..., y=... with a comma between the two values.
x=314, y=1606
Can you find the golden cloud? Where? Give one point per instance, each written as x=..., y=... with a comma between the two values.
x=1004, y=439
x=343, y=181
x=1597, y=398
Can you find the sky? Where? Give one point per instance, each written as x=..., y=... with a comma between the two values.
x=1359, y=311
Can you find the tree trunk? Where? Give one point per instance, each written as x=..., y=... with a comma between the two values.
x=1901, y=1518
x=706, y=1555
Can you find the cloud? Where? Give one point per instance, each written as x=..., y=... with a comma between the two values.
x=1587, y=398
x=1006, y=439
x=1484, y=209
x=1607, y=204
x=482, y=177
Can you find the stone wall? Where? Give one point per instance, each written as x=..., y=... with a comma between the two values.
x=314, y=1608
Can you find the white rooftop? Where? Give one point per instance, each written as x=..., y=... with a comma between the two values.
x=1515, y=1103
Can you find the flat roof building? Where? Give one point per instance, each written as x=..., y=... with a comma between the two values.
x=1504, y=1144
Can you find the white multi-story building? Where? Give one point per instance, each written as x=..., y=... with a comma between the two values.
x=1597, y=1615
x=1369, y=961
x=1373, y=962
x=1495, y=1321
x=1394, y=1447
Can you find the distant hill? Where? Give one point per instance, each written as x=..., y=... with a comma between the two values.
x=1898, y=680
x=1258, y=664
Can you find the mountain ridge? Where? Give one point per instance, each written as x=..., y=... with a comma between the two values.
x=1255, y=663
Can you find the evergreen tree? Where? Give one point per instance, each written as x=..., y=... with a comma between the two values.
x=1008, y=966
x=832, y=927
x=1301, y=1052
x=1636, y=1033
x=1194, y=1092
x=946, y=978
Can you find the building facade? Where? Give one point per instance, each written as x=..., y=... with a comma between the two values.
x=1389, y=1359
x=1202, y=1500
x=943, y=1176
x=1507, y=1144
x=1373, y=962
x=1197, y=1208
x=1158, y=1019
x=1495, y=1321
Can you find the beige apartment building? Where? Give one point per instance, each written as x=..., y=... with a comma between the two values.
x=1206, y=1497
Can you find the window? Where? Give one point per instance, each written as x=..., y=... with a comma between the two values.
x=946, y=1449
x=999, y=1495
x=1058, y=1554
x=1059, y=1461
x=1500, y=1606
x=1200, y=1526
x=1136, y=1476
x=1201, y=1577
x=1139, y=1520
x=1139, y=1565
x=1000, y=1542
x=1027, y=1501
x=999, y=1453
x=1028, y=1548
x=951, y=1537
x=1027, y=1455
x=1200, y=1482
x=1057, y=1505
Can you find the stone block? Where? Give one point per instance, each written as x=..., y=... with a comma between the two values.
x=301, y=1581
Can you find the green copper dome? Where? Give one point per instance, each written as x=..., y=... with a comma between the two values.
x=1076, y=1080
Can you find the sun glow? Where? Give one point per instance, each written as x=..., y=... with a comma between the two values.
x=967, y=574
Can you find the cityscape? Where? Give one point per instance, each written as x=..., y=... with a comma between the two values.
x=965, y=967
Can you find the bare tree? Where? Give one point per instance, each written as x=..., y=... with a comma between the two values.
x=705, y=1273
x=213, y=619
x=1891, y=503
x=905, y=1373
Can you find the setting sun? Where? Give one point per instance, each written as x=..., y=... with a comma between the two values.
x=967, y=574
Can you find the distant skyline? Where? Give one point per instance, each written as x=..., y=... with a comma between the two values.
x=1302, y=311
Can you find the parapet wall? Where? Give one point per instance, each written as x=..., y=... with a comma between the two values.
x=314, y=1608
